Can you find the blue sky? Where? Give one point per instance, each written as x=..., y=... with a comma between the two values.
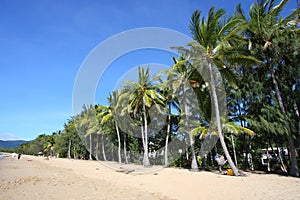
x=43, y=44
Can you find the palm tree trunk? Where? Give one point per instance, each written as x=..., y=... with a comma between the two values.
x=97, y=147
x=204, y=165
x=103, y=148
x=212, y=159
x=119, y=143
x=146, y=161
x=234, y=152
x=166, y=146
x=219, y=127
x=69, y=149
x=249, y=156
x=194, y=165
x=283, y=168
x=298, y=117
x=90, y=157
x=167, y=137
x=294, y=165
x=186, y=151
x=142, y=131
x=125, y=151
x=74, y=155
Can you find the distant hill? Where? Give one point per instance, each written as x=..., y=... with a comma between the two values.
x=11, y=143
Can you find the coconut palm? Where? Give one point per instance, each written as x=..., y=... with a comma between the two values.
x=216, y=45
x=171, y=102
x=178, y=84
x=122, y=115
x=142, y=96
x=87, y=125
x=108, y=113
x=99, y=112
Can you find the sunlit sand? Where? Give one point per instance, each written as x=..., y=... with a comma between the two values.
x=36, y=177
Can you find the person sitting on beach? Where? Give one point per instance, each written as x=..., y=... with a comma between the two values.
x=221, y=161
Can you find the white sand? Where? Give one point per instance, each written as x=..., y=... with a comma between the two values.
x=36, y=178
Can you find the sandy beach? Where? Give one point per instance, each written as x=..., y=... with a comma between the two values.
x=36, y=178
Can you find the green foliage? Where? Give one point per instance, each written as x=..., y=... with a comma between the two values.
x=181, y=162
x=7, y=150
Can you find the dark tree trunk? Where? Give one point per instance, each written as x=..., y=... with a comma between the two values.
x=294, y=164
x=233, y=147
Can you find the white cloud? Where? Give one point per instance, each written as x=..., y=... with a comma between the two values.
x=9, y=136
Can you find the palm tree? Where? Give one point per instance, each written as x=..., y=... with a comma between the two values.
x=68, y=132
x=100, y=110
x=49, y=145
x=215, y=44
x=108, y=114
x=87, y=125
x=171, y=102
x=264, y=27
x=142, y=96
x=178, y=79
x=121, y=115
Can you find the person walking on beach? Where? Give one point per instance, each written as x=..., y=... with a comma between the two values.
x=13, y=155
x=19, y=156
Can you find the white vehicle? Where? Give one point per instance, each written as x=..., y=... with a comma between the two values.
x=271, y=157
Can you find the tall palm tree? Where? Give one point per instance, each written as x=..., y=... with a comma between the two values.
x=171, y=102
x=216, y=45
x=122, y=115
x=142, y=96
x=264, y=27
x=178, y=79
x=87, y=125
x=100, y=110
x=108, y=114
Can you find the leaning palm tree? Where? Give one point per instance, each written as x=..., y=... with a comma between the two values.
x=142, y=96
x=216, y=40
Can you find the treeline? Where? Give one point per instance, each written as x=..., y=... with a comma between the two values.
x=179, y=120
